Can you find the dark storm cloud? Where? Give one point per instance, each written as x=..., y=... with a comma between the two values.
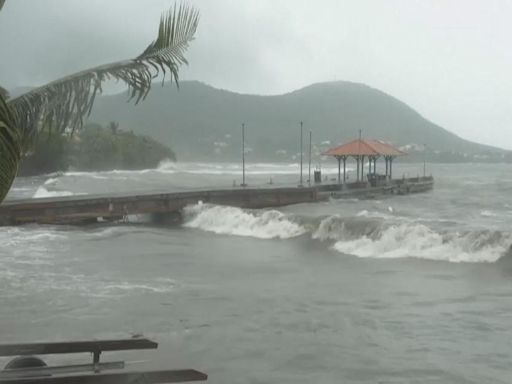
x=449, y=60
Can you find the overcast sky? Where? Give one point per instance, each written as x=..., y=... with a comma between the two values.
x=449, y=60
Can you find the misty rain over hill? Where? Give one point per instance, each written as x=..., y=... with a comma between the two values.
x=202, y=122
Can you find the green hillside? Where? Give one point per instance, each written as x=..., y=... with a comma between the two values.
x=201, y=122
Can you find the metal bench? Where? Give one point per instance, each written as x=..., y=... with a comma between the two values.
x=28, y=368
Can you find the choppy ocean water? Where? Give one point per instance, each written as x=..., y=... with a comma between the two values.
x=399, y=289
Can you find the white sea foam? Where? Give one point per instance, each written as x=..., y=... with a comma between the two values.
x=375, y=214
x=42, y=192
x=94, y=175
x=129, y=286
x=419, y=241
x=50, y=181
x=110, y=231
x=166, y=165
x=235, y=221
x=255, y=169
x=28, y=247
x=32, y=258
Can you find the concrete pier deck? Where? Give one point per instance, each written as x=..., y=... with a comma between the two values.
x=90, y=208
x=87, y=208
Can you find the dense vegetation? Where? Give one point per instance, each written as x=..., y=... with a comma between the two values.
x=94, y=148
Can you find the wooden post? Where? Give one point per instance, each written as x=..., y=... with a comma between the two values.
x=390, y=167
x=386, y=158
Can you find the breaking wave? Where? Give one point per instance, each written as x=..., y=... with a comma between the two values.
x=235, y=169
x=421, y=242
x=42, y=192
x=270, y=224
x=364, y=235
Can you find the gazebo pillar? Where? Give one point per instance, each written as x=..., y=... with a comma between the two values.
x=362, y=168
x=358, y=170
x=344, y=169
x=390, y=167
x=386, y=158
x=339, y=166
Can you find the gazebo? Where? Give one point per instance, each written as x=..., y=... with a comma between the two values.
x=360, y=149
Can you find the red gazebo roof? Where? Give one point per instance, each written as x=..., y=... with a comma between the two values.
x=364, y=147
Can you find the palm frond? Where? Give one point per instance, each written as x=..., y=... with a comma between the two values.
x=1, y=4
x=4, y=92
x=10, y=147
x=64, y=103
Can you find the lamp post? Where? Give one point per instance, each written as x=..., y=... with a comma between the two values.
x=243, y=155
x=424, y=160
x=309, y=168
x=301, y=151
x=359, y=157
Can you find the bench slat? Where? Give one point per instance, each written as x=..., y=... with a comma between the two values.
x=59, y=370
x=148, y=377
x=76, y=347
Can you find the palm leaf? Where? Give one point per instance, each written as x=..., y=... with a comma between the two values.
x=64, y=103
x=10, y=147
x=1, y=4
x=4, y=91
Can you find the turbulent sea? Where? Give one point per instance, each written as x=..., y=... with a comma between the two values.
x=405, y=289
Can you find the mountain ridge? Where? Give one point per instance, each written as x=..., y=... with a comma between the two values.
x=203, y=122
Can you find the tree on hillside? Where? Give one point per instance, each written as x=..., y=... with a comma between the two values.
x=113, y=126
x=64, y=103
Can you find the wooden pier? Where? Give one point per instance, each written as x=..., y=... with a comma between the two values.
x=91, y=208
